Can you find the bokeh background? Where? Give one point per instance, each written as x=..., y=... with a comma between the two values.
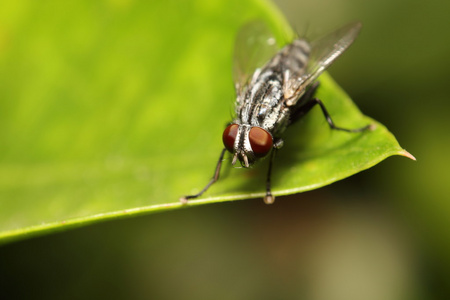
x=381, y=234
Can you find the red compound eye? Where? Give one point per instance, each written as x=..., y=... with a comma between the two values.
x=260, y=140
x=229, y=136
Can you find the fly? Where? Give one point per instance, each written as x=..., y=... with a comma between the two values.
x=275, y=95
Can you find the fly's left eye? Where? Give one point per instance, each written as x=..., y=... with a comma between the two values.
x=260, y=140
x=229, y=136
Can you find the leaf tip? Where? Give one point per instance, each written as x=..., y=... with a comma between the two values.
x=407, y=154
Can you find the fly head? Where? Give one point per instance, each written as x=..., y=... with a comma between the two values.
x=247, y=143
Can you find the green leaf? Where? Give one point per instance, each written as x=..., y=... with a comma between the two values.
x=116, y=108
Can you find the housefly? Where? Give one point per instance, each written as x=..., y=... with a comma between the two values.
x=275, y=88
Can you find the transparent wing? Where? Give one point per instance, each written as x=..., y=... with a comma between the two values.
x=324, y=52
x=255, y=45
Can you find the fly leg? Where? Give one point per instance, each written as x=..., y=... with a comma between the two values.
x=215, y=177
x=309, y=102
x=269, y=198
x=307, y=107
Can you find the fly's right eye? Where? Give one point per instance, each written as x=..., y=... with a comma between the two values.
x=229, y=136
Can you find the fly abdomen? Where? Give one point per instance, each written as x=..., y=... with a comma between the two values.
x=295, y=58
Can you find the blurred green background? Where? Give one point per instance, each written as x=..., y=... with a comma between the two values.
x=381, y=234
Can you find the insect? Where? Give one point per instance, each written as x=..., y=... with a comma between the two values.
x=274, y=89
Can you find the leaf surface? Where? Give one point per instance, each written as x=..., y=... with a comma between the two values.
x=116, y=108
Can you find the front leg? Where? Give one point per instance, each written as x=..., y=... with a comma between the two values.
x=215, y=177
x=269, y=198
